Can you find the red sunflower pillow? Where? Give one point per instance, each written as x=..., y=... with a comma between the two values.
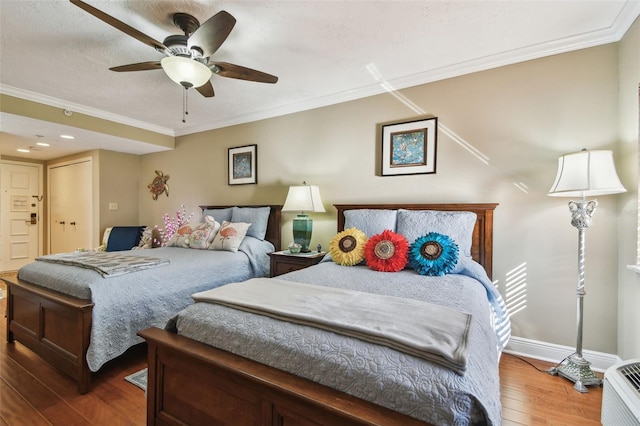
x=386, y=252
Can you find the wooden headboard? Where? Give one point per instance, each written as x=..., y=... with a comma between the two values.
x=273, y=226
x=482, y=243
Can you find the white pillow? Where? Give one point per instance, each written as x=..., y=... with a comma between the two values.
x=181, y=237
x=230, y=236
x=203, y=235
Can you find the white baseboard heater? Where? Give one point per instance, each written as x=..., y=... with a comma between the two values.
x=621, y=394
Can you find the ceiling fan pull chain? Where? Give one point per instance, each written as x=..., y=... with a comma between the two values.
x=184, y=105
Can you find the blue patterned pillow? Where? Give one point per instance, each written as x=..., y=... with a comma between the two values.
x=370, y=221
x=456, y=225
x=433, y=254
x=258, y=217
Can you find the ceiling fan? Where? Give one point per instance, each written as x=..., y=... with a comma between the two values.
x=187, y=60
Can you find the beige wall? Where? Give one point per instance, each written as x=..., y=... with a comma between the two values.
x=119, y=181
x=509, y=125
x=628, y=281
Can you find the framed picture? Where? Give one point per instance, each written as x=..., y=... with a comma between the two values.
x=243, y=165
x=409, y=148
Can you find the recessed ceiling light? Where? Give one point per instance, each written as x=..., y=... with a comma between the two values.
x=42, y=144
x=67, y=137
x=23, y=150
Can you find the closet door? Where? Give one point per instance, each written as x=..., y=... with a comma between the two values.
x=71, y=206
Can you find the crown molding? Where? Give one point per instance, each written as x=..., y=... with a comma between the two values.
x=93, y=112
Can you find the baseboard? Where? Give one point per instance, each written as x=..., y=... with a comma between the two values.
x=555, y=353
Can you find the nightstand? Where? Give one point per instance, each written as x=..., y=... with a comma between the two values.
x=283, y=261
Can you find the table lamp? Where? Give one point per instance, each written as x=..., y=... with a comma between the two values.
x=303, y=198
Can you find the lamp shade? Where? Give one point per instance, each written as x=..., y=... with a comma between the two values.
x=303, y=198
x=185, y=71
x=585, y=174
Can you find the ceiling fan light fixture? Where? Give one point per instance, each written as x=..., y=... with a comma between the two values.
x=185, y=71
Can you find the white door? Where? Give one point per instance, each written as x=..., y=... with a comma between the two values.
x=71, y=206
x=20, y=213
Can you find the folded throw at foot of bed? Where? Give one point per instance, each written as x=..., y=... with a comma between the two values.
x=111, y=264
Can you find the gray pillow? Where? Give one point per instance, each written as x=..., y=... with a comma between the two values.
x=370, y=221
x=458, y=226
x=258, y=217
x=220, y=215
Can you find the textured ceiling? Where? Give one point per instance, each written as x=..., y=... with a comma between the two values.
x=323, y=52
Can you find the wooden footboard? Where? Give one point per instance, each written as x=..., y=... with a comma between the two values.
x=55, y=326
x=193, y=383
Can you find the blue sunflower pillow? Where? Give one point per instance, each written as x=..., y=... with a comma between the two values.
x=433, y=254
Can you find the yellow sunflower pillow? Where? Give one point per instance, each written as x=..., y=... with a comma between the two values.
x=347, y=247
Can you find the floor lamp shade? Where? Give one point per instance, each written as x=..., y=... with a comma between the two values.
x=303, y=198
x=586, y=174
x=583, y=174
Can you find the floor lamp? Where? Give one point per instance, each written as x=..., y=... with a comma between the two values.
x=583, y=174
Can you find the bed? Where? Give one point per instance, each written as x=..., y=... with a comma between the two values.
x=77, y=320
x=246, y=369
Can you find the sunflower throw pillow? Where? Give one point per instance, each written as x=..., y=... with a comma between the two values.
x=347, y=247
x=386, y=252
x=433, y=254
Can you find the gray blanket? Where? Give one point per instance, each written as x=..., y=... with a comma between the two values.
x=111, y=264
x=433, y=332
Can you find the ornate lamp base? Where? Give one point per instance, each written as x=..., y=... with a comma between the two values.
x=578, y=370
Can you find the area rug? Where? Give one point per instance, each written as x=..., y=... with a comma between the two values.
x=139, y=379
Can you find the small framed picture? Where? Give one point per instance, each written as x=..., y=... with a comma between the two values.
x=243, y=165
x=409, y=148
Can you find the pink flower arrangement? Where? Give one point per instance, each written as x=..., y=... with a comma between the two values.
x=171, y=226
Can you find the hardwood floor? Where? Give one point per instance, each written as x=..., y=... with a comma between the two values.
x=532, y=397
x=34, y=393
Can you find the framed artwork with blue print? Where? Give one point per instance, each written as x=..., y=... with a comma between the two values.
x=409, y=147
x=243, y=165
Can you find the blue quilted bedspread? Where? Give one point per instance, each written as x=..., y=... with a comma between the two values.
x=129, y=303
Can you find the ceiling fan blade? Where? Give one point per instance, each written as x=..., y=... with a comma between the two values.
x=226, y=69
x=206, y=90
x=121, y=26
x=210, y=35
x=142, y=66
